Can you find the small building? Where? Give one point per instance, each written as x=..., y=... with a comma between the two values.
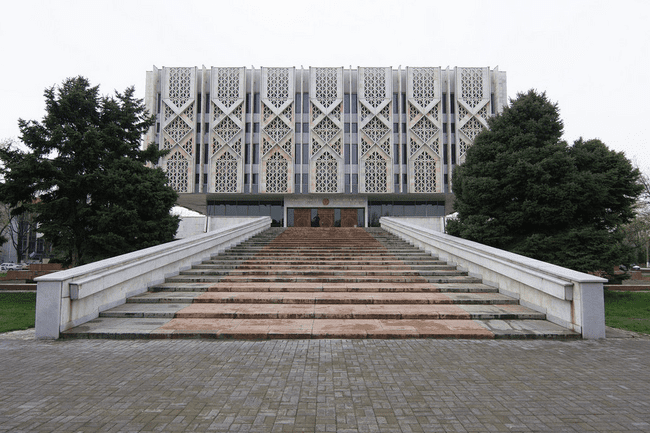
x=328, y=146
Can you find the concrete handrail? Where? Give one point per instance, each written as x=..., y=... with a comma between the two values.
x=568, y=298
x=71, y=297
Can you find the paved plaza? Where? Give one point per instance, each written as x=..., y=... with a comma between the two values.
x=324, y=385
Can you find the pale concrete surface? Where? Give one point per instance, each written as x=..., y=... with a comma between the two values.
x=325, y=385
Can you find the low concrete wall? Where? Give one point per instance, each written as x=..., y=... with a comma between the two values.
x=569, y=298
x=69, y=298
x=437, y=224
x=194, y=225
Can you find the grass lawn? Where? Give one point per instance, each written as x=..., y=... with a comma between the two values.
x=628, y=310
x=17, y=311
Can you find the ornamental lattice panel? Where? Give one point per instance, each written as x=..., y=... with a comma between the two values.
x=424, y=129
x=375, y=128
x=326, y=127
x=178, y=125
x=227, y=126
x=277, y=133
x=473, y=102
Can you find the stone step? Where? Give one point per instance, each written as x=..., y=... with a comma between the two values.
x=267, y=311
x=451, y=287
x=319, y=271
x=322, y=283
x=275, y=266
x=482, y=298
x=255, y=329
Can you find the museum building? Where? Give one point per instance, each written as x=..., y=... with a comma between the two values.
x=328, y=146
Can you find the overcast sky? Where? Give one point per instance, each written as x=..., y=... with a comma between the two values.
x=591, y=57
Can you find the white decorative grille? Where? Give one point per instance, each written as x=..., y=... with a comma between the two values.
x=267, y=145
x=376, y=175
x=374, y=86
x=267, y=113
x=225, y=173
x=326, y=129
x=277, y=86
x=236, y=146
x=178, y=172
x=425, y=129
x=471, y=86
x=462, y=113
x=424, y=173
x=216, y=112
x=424, y=85
x=277, y=173
x=180, y=85
x=364, y=113
x=462, y=146
x=336, y=146
x=315, y=113
x=277, y=129
x=413, y=112
x=336, y=112
x=414, y=146
x=472, y=128
x=228, y=85
x=365, y=146
x=326, y=85
x=227, y=129
x=315, y=146
x=326, y=173
x=169, y=113
x=375, y=129
x=177, y=129
x=189, y=113
x=188, y=146
x=216, y=144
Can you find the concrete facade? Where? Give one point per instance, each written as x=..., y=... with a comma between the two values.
x=247, y=137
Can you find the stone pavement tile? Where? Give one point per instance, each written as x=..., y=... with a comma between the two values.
x=325, y=385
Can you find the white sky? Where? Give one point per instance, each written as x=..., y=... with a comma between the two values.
x=591, y=57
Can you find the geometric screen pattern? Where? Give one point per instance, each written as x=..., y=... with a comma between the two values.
x=277, y=128
x=326, y=126
x=424, y=128
x=375, y=128
x=472, y=90
x=226, y=129
x=178, y=126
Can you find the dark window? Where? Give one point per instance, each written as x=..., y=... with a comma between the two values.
x=256, y=103
x=256, y=156
x=198, y=103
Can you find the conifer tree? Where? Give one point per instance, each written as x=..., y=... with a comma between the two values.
x=84, y=175
x=523, y=189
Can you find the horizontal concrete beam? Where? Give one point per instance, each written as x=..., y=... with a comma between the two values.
x=71, y=297
x=568, y=298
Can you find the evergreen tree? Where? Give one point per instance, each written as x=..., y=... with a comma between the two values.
x=525, y=190
x=84, y=176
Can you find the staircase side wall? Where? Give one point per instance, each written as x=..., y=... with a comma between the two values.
x=568, y=298
x=72, y=297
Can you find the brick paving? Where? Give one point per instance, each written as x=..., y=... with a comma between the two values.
x=324, y=385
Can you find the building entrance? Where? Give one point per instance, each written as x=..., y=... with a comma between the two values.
x=325, y=217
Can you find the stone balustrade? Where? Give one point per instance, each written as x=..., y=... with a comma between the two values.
x=568, y=298
x=74, y=296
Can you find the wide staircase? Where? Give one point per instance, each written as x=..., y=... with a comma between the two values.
x=321, y=283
